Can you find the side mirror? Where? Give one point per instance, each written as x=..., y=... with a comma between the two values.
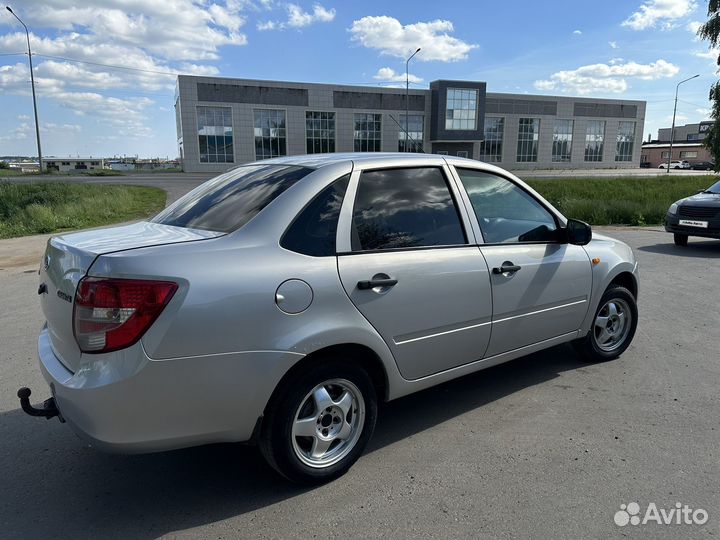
x=578, y=232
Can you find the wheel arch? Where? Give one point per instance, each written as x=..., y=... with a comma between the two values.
x=360, y=355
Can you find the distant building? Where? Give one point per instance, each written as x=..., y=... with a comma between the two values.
x=687, y=145
x=686, y=133
x=72, y=164
x=223, y=122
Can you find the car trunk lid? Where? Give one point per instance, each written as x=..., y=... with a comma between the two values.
x=67, y=260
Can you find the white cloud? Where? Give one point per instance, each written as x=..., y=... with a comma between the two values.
x=663, y=13
x=711, y=54
x=390, y=37
x=577, y=32
x=267, y=25
x=603, y=78
x=613, y=44
x=693, y=26
x=387, y=74
x=298, y=18
x=704, y=112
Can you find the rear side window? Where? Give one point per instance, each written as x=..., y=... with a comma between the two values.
x=314, y=229
x=228, y=202
x=405, y=208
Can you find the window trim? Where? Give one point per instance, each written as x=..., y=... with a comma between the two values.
x=343, y=241
x=560, y=220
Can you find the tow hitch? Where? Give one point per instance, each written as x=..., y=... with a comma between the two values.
x=49, y=408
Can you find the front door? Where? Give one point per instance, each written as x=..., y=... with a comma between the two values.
x=412, y=273
x=540, y=285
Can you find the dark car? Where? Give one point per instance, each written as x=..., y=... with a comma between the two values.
x=703, y=166
x=697, y=215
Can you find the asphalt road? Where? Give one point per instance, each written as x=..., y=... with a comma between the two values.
x=545, y=446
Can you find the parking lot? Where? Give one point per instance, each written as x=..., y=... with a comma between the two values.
x=544, y=446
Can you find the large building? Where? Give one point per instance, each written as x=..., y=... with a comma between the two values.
x=221, y=122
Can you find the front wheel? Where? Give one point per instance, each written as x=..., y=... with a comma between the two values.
x=317, y=427
x=613, y=326
x=680, y=239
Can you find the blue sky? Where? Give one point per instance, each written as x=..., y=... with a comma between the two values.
x=632, y=49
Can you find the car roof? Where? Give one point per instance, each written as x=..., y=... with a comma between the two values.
x=389, y=158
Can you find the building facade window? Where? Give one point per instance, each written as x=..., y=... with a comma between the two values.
x=594, y=140
x=320, y=132
x=461, y=108
x=413, y=125
x=689, y=154
x=625, y=141
x=665, y=154
x=562, y=141
x=215, y=134
x=528, y=137
x=491, y=147
x=367, y=132
x=270, y=133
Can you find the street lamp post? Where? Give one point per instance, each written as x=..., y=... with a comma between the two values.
x=32, y=85
x=672, y=130
x=407, y=98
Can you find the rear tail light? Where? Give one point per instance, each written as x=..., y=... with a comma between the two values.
x=112, y=314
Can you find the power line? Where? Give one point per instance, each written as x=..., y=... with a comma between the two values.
x=173, y=73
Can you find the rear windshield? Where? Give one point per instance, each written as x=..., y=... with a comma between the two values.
x=228, y=202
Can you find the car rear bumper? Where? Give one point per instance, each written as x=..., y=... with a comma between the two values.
x=672, y=225
x=129, y=403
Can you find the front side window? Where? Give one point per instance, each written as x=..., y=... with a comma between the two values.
x=270, y=134
x=411, y=126
x=528, y=137
x=505, y=212
x=461, y=108
x=625, y=140
x=320, y=132
x=230, y=200
x=562, y=141
x=215, y=134
x=367, y=132
x=491, y=147
x=594, y=140
x=405, y=208
x=314, y=229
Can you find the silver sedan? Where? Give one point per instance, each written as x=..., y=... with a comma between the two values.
x=280, y=301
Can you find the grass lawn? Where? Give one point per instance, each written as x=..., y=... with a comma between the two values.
x=46, y=207
x=621, y=200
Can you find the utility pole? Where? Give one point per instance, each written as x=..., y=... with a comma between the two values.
x=407, y=97
x=32, y=85
x=672, y=130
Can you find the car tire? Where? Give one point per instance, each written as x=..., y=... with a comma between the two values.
x=346, y=417
x=613, y=328
x=680, y=239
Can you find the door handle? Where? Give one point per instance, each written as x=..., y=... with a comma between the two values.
x=506, y=268
x=372, y=283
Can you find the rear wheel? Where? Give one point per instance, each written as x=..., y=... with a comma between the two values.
x=613, y=326
x=680, y=239
x=318, y=426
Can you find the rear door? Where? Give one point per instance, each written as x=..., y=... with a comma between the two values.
x=540, y=285
x=408, y=266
